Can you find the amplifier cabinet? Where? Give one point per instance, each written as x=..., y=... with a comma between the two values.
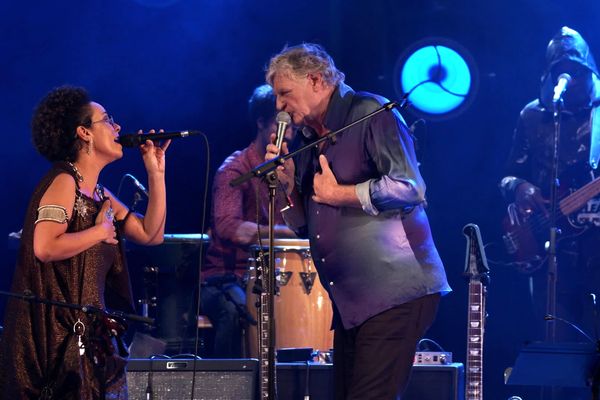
x=292, y=382
x=436, y=382
x=171, y=379
x=427, y=382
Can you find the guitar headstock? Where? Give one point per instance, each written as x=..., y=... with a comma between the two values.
x=476, y=266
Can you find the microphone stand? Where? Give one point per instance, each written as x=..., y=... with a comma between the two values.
x=88, y=309
x=266, y=170
x=136, y=199
x=550, y=335
x=554, y=231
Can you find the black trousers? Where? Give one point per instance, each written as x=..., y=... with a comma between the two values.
x=373, y=360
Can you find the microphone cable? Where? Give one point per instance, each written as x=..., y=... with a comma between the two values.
x=550, y=317
x=200, y=261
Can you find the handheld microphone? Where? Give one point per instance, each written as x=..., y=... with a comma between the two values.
x=138, y=184
x=561, y=87
x=134, y=139
x=283, y=119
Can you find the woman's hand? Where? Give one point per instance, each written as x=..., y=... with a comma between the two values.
x=105, y=221
x=153, y=155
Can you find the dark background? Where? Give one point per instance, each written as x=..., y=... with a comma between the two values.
x=192, y=64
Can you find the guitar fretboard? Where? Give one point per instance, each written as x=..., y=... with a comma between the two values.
x=266, y=334
x=476, y=315
x=267, y=359
x=577, y=199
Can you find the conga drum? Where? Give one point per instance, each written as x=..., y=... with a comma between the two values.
x=302, y=306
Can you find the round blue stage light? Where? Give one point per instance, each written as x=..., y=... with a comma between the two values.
x=438, y=80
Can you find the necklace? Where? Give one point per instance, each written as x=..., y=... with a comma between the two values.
x=80, y=207
x=77, y=173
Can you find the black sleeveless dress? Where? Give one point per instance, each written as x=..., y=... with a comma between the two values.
x=40, y=353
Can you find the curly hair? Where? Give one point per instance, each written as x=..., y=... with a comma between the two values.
x=55, y=121
x=304, y=59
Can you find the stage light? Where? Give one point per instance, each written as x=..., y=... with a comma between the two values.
x=438, y=76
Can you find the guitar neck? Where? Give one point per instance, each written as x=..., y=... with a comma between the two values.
x=475, y=330
x=267, y=356
x=266, y=335
x=577, y=199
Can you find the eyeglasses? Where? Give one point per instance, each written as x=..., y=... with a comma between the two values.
x=108, y=119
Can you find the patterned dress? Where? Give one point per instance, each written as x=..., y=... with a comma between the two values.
x=40, y=353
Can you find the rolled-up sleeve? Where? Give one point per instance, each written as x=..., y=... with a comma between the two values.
x=400, y=184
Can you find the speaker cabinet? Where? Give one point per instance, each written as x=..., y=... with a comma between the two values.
x=293, y=384
x=171, y=379
x=427, y=382
x=436, y=382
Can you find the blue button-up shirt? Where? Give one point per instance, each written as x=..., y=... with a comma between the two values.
x=383, y=255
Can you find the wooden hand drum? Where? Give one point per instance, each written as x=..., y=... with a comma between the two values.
x=302, y=306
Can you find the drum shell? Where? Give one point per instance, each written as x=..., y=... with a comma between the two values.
x=302, y=313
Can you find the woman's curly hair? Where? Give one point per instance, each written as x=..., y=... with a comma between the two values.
x=55, y=122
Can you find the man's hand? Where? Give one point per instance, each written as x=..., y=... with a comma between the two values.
x=528, y=199
x=285, y=172
x=325, y=184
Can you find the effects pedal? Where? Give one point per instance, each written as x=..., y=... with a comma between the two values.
x=432, y=358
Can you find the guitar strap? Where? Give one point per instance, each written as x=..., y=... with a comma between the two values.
x=595, y=136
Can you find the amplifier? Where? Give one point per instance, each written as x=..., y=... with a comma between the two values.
x=171, y=379
x=433, y=358
x=293, y=383
x=427, y=382
x=436, y=382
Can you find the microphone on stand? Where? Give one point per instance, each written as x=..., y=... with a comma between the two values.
x=134, y=139
x=138, y=184
x=140, y=188
x=561, y=87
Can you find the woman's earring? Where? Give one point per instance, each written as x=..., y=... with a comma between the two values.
x=89, y=146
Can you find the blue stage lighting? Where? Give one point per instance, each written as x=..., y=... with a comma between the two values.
x=438, y=77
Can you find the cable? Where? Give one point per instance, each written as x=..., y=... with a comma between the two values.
x=549, y=317
x=200, y=261
x=425, y=340
x=120, y=185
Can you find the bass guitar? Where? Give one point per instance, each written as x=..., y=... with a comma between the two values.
x=525, y=235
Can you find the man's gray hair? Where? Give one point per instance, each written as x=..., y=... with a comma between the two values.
x=300, y=60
